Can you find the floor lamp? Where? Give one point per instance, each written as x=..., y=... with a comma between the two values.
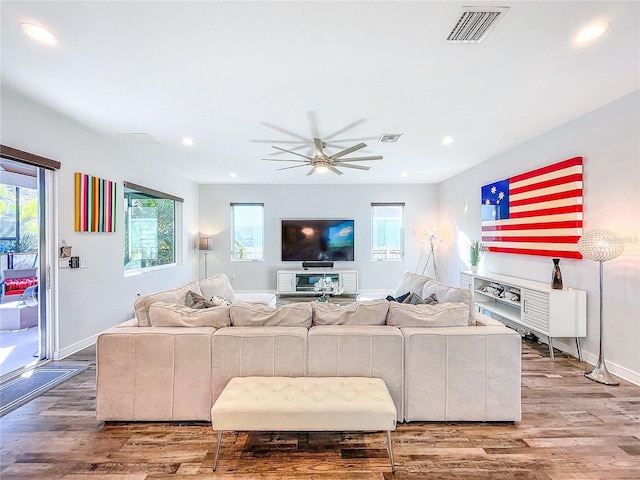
x=600, y=246
x=432, y=256
x=206, y=244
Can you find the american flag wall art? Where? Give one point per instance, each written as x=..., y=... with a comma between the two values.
x=95, y=204
x=535, y=213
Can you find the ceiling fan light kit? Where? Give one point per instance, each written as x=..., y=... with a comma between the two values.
x=323, y=162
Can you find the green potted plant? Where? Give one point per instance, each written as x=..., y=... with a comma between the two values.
x=475, y=252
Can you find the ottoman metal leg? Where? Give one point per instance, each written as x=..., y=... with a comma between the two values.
x=390, y=450
x=215, y=462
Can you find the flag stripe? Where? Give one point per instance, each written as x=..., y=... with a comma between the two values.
x=553, y=196
x=565, y=172
x=543, y=253
x=577, y=209
x=531, y=226
x=548, y=169
x=564, y=205
x=545, y=192
x=553, y=182
x=533, y=239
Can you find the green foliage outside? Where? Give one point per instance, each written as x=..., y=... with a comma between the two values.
x=28, y=218
x=149, y=232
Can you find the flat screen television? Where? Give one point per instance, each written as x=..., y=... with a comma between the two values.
x=317, y=240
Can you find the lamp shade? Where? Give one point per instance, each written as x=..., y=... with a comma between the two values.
x=600, y=245
x=206, y=243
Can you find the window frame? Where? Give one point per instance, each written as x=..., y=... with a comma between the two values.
x=401, y=254
x=142, y=192
x=235, y=255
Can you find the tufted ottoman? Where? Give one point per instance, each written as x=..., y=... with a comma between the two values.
x=304, y=404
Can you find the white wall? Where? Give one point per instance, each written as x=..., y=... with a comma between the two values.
x=315, y=201
x=609, y=141
x=93, y=299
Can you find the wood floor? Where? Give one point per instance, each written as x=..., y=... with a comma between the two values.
x=572, y=429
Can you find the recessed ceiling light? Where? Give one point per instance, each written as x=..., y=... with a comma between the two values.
x=448, y=140
x=40, y=34
x=592, y=31
x=187, y=142
x=404, y=174
x=232, y=175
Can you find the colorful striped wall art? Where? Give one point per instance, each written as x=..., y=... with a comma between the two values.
x=535, y=213
x=95, y=204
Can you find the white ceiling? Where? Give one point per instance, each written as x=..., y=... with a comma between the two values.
x=239, y=77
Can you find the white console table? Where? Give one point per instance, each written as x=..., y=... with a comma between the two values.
x=301, y=282
x=541, y=309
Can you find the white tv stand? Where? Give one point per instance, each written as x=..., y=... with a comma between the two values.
x=539, y=308
x=301, y=282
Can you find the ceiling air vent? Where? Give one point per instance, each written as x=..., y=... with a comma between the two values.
x=390, y=137
x=475, y=23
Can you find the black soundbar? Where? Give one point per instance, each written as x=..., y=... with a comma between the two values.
x=308, y=265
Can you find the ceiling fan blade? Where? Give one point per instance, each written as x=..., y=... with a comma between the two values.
x=347, y=151
x=345, y=128
x=359, y=167
x=360, y=159
x=283, y=160
x=293, y=153
x=311, y=171
x=280, y=129
x=318, y=143
x=287, y=168
x=313, y=124
x=334, y=170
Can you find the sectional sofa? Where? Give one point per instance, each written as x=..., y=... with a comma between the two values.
x=440, y=362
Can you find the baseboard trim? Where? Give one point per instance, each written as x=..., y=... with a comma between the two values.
x=76, y=347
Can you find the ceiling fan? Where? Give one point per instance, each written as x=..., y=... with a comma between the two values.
x=323, y=162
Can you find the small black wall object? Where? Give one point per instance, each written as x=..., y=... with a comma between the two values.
x=74, y=262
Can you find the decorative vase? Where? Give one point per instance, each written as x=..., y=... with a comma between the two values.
x=474, y=268
x=556, y=278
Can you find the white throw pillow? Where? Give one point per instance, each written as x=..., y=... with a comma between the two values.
x=372, y=312
x=163, y=314
x=451, y=314
x=445, y=293
x=177, y=295
x=244, y=314
x=410, y=283
x=217, y=285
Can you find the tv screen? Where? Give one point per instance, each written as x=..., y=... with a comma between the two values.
x=314, y=240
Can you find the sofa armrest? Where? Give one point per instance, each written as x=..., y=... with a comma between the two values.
x=484, y=320
x=154, y=374
x=470, y=373
x=133, y=322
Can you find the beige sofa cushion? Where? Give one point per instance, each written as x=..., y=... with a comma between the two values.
x=445, y=293
x=372, y=312
x=244, y=314
x=217, y=285
x=448, y=314
x=177, y=295
x=410, y=282
x=163, y=314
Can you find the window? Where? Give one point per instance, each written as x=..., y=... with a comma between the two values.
x=18, y=219
x=387, y=231
x=152, y=228
x=247, y=231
